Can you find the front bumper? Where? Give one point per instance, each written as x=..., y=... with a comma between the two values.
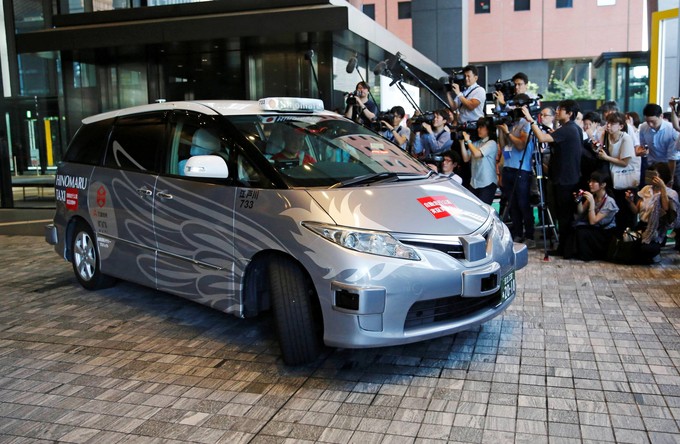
x=418, y=303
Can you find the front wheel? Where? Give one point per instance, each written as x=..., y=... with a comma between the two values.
x=297, y=322
x=85, y=259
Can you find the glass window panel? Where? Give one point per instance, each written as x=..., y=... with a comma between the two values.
x=404, y=10
x=482, y=6
x=369, y=10
x=522, y=5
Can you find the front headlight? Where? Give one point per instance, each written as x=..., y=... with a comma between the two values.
x=372, y=242
x=500, y=230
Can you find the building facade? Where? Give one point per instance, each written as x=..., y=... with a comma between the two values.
x=69, y=59
x=555, y=42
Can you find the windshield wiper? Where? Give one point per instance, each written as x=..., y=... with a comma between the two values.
x=366, y=178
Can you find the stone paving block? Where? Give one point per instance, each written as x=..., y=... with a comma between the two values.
x=578, y=357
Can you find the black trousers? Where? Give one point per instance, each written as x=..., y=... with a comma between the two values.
x=566, y=207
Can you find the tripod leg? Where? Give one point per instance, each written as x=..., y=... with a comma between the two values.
x=552, y=225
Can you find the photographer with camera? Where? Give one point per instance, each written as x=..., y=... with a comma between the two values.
x=565, y=162
x=394, y=131
x=517, y=175
x=675, y=113
x=359, y=107
x=446, y=164
x=482, y=157
x=657, y=206
x=434, y=137
x=520, y=81
x=595, y=220
x=470, y=100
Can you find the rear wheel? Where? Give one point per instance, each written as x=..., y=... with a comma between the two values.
x=85, y=259
x=297, y=322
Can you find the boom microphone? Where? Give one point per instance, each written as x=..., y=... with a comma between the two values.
x=351, y=65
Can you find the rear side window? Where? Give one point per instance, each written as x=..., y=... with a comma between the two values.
x=89, y=143
x=136, y=142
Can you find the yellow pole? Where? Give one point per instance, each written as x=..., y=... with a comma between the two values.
x=48, y=143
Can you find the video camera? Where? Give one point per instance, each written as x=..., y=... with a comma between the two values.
x=507, y=87
x=468, y=127
x=456, y=77
x=351, y=98
x=386, y=116
x=417, y=121
x=513, y=111
x=533, y=105
x=433, y=159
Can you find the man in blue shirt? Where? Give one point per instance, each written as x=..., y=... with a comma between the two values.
x=434, y=138
x=470, y=101
x=394, y=131
x=517, y=173
x=658, y=138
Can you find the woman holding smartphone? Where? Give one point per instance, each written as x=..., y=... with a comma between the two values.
x=657, y=208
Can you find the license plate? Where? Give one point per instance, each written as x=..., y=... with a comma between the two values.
x=508, y=286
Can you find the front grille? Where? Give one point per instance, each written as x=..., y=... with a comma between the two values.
x=447, y=309
x=453, y=250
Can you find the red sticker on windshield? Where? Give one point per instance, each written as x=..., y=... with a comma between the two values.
x=437, y=205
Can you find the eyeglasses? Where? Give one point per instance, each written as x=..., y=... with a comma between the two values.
x=447, y=160
x=546, y=115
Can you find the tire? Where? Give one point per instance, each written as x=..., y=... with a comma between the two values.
x=85, y=259
x=298, y=324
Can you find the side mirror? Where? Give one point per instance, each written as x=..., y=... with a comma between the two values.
x=206, y=166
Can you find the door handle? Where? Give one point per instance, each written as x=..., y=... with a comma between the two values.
x=144, y=192
x=162, y=195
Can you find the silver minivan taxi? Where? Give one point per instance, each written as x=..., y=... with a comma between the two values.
x=248, y=206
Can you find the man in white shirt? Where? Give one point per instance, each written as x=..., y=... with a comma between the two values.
x=470, y=101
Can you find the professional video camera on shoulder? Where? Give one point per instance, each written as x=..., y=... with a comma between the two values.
x=468, y=127
x=417, y=121
x=385, y=116
x=521, y=100
x=457, y=77
x=506, y=87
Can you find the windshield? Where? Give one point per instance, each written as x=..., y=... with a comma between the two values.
x=324, y=150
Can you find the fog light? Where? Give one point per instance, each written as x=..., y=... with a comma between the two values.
x=489, y=283
x=345, y=299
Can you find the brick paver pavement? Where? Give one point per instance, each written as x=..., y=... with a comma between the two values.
x=587, y=352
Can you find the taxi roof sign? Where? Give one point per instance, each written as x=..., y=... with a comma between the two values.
x=290, y=104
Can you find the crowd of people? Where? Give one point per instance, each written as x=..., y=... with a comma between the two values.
x=608, y=177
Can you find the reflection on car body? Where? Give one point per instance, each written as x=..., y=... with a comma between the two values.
x=351, y=242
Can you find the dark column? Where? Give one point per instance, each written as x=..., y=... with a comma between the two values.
x=438, y=31
x=6, y=197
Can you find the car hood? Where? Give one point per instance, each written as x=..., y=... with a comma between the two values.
x=434, y=207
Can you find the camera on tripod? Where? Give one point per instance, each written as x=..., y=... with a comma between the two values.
x=533, y=105
x=507, y=87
